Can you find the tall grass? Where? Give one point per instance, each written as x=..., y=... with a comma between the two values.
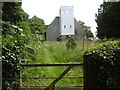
x=52, y=52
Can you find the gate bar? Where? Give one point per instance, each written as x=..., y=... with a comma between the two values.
x=51, y=64
x=52, y=85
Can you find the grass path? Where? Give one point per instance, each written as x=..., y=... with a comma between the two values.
x=51, y=59
x=54, y=71
x=48, y=55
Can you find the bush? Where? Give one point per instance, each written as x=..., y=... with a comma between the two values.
x=12, y=52
x=103, y=64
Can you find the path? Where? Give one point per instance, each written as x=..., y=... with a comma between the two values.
x=50, y=59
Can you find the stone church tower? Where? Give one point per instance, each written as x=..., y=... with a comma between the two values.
x=64, y=26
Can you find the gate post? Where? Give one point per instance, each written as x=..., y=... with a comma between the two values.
x=90, y=75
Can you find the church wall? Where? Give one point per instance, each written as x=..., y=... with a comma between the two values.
x=79, y=32
x=52, y=31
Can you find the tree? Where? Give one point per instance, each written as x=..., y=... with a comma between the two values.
x=87, y=30
x=37, y=27
x=108, y=20
x=13, y=13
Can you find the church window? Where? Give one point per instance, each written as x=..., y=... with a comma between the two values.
x=64, y=26
x=70, y=26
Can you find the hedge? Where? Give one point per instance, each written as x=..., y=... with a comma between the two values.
x=102, y=66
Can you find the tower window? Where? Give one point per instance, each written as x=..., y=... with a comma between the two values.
x=70, y=26
x=64, y=26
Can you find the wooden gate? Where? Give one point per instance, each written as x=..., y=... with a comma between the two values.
x=56, y=79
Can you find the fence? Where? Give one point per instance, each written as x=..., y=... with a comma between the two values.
x=56, y=79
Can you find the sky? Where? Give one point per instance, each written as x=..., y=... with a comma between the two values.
x=84, y=10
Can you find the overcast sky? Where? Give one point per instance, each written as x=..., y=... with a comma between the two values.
x=84, y=10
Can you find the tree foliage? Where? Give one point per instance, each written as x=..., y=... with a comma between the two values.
x=108, y=20
x=87, y=30
x=37, y=27
x=12, y=12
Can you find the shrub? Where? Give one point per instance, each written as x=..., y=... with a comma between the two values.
x=12, y=52
x=104, y=65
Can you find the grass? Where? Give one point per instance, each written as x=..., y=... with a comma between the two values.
x=55, y=52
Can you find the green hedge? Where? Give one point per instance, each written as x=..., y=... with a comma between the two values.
x=103, y=65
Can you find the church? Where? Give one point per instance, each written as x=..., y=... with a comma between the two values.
x=64, y=26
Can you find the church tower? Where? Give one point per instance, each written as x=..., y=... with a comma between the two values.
x=66, y=21
x=64, y=26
